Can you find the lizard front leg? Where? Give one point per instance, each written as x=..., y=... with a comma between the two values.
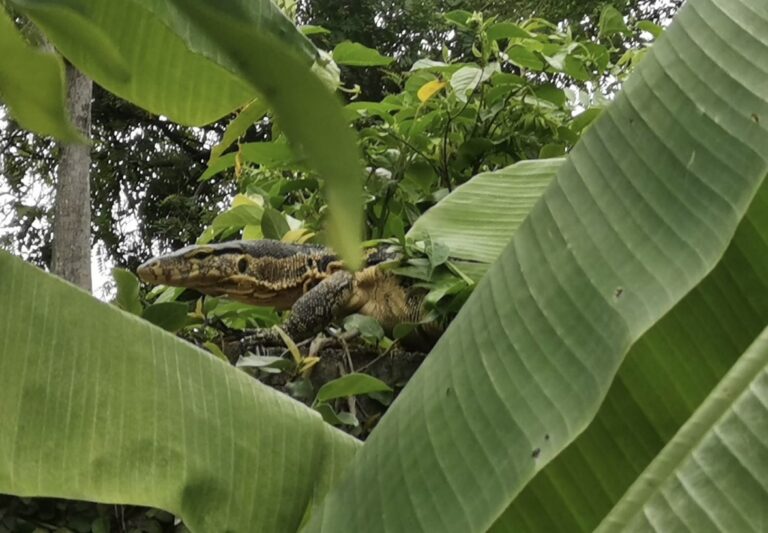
x=312, y=311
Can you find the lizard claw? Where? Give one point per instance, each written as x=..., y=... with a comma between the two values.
x=259, y=338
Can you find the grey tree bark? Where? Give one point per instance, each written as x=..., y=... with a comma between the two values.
x=72, y=211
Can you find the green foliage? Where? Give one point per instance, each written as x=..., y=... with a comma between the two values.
x=117, y=46
x=131, y=403
x=604, y=255
x=596, y=334
x=306, y=110
x=32, y=84
x=718, y=455
x=357, y=55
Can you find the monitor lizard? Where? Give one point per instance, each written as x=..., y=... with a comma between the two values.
x=308, y=279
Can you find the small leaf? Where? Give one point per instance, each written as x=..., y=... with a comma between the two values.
x=437, y=253
x=127, y=291
x=310, y=29
x=551, y=93
x=252, y=232
x=368, y=327
x=403, y=329
x=334, y=418
x=522, y=57
x=358, y=55
x=551, y=150
x=306, y=365
x=350, y=385
x=458, y=17
x=273, y=224
x=215, y=350
x=586, y=118
x=264, y=361
x=428, y=64
x=612, y=22
x=298, y=236
x=651, y=27
x=429, y=89
x=252, y=112
x=171, y=316
x=574, y=67
x=465, y=80
x=295, y=353
x=274, y=154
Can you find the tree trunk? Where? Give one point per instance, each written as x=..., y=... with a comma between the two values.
x=72, y=211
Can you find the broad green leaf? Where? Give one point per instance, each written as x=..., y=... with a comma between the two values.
x=523, y=57
x=664, y=377
x=127, y=290
x=273, y=154
x=119, y=44
x=238, y=217
x=641, y=211
x=171, y=316
x=310, y=115
x=309, y=29
x=465, y=80
x=96, y=403
x=32, y=85
x=611, y=22
x=713, y=475
x=429, y=64
x=367, y=326
x=273, y=224
x=252, y=112
x=358, y=55
x=477, y=219
x=651, y=27
x=506, y=30
x=551, y=94
x=350, y=385
x=458, y=17
x=552, y=150
x=330, y=415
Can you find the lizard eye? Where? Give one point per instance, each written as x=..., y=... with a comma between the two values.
x=198, y=253
x=242, y=265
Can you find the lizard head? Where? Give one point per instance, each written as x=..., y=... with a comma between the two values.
x=265, y=272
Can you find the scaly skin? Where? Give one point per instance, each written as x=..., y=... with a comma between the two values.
x=306, y=278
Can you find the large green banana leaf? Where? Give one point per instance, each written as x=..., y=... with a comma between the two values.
x=643, y=209
x=194, y=62
x=96, y=404
x=665, y=376
x=713, y=475
x=32, y=84
x=638, y=216
x=477, y=219
x=146, y=52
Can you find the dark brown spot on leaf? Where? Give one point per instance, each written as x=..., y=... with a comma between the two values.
x=535, y=453
x=755, y=118
x=618, y=292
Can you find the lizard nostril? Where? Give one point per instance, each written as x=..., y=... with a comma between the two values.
x=242, y=265
x=146, y=272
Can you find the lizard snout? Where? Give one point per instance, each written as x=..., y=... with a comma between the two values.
x=149, y=272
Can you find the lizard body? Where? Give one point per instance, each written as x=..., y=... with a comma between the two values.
x=309, y=279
